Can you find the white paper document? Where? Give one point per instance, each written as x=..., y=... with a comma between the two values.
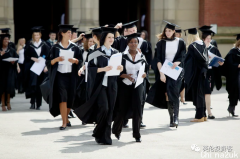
x=140, y=73
x=211, y=56
x=67, y=54
x=86, y=71
x=172, y=73
x=10, y=59
x=115, y=61
x=127, y=81
x=38, y=67
x=21, y=57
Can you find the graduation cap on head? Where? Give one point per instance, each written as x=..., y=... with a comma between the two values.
x=52, y=31
x=205, y=27
x=5, y=30
x=37, y=29
x=88, y=35
x=238, y=36
x=74, y=30
x=2, y=36
x=192, y=31
x=178, y=30
x=65, y=27
x=97, y=30
x=170, y=25
x=208, y=32
x=131, y=36
x=130, y=24
x=80, y=32
x=108, y=30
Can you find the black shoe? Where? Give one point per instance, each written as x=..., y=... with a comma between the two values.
x=32, y=106
x=71, y=114
x=62, y=128
x=117, y=136
x=211, y=117
x=231, y=110
x=170, y=111
x=142, y=125
x=84, y=123
x=69, y=124
x=138, y=139
x=125, y=126
x=175, y=115
x=210, y=107
x=38, y=108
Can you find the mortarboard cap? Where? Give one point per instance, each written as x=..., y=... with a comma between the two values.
x=208, y=32
x=80, y=32
x=52, y=31
x=5, y=30
x=238, y=36
x=130, y=24
x=192, y=31
x=2, y=36
x=37, y=29
x=205, y=27
x=131, y=36
x=74, y=30
x=97, y=30
x=88, y=35
x=65, y=27
x=170, y=25
x=178, y=30
x=108, y=30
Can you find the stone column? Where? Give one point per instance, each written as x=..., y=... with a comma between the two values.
x=181, y=12
x=84, y=14
x=6, y=16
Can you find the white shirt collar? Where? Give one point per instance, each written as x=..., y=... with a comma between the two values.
x=68, y=44
x=37, y=43
x=138, y=55
x=200, y=42
x=104, y=48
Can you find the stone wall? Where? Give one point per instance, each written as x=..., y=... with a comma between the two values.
x=6, y=16
x=84, y=14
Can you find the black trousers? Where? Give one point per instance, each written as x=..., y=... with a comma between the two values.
x=37, y=95
x=102, y=131
x=129, y=98
x=200, y=112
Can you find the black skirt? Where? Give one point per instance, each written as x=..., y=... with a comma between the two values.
x=63, y=83
x=208, y=82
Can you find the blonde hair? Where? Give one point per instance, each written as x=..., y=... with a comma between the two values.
x=18, y=44
x=33, y=35
x=191, y=38
x=159, y=36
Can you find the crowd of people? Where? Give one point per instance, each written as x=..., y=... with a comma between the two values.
x=74, y=76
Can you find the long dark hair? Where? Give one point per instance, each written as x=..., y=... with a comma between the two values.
x=60, y=37
x=204, y=36
x=146, y=35
x=164, y=36
x=1, y=41
x=103, y=37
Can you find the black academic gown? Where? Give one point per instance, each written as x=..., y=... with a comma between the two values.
x=20, y=77
x=129, y=102
x=94, y=110
x=8, y=73
x=215, y=72
x=214, y=43
x=156, y=95
x=52, y=69
x=196, y=66
x=12, y=45
x=32, y=81
x=231, y=71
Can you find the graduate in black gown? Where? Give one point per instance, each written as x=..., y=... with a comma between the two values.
x=52, y=39
x=182, y=90
x=7, y=31
x=129, y=98
x=37, y=48
x=196, y=67
x=8, y=72
x=63, y=77
x=207, y=27
x=21, y=47
x=214, y=73
x=102, y=90
x=120, y=43
x=81, y=86
x=232, y=72
x=165, y=91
